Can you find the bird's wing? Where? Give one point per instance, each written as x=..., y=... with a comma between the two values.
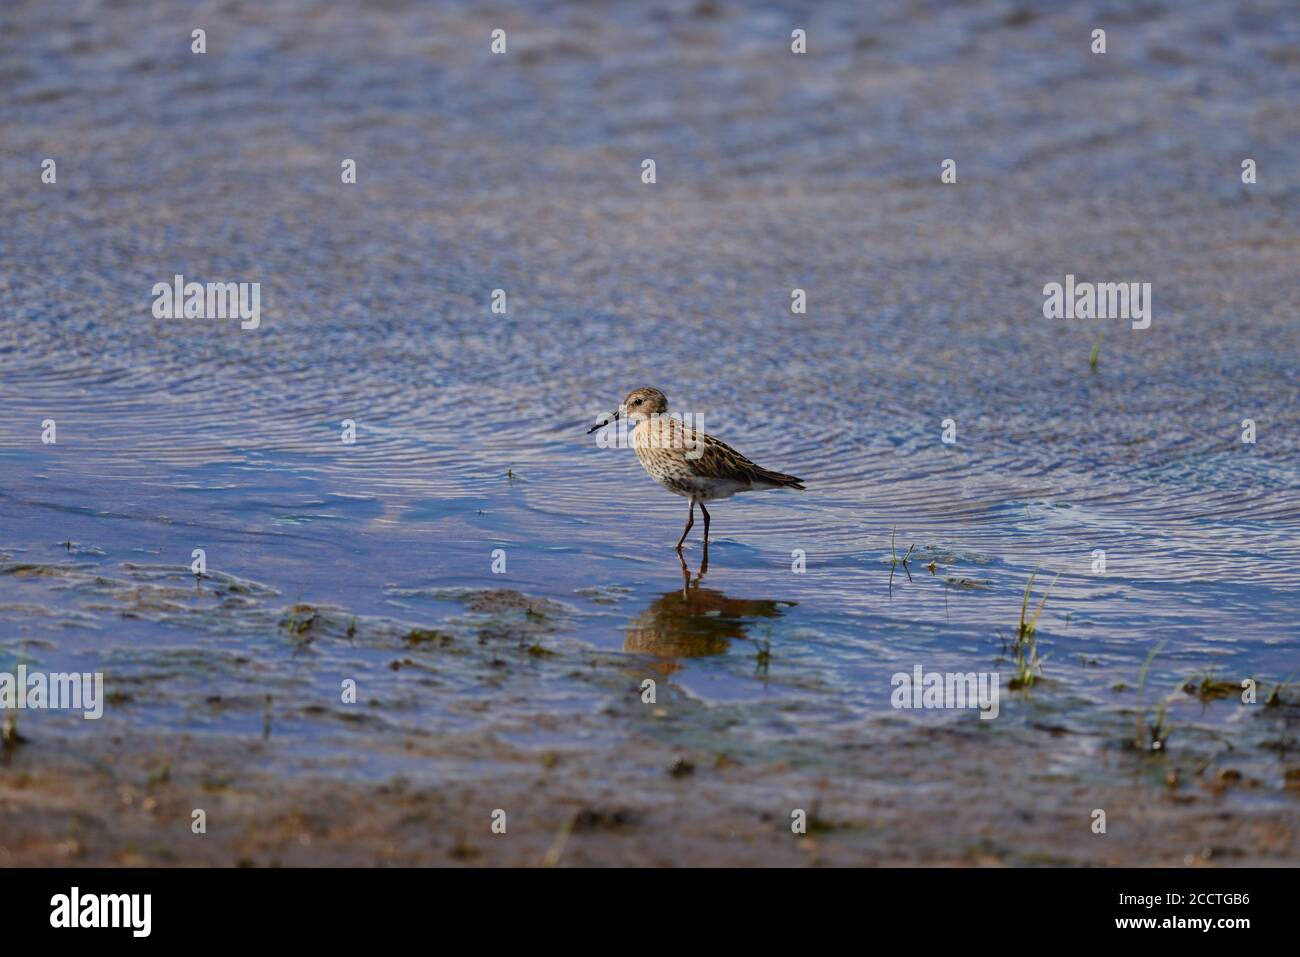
x=719, y=460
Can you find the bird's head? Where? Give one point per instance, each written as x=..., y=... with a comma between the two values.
x=639, y=404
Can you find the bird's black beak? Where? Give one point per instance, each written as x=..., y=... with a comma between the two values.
x=601, y=425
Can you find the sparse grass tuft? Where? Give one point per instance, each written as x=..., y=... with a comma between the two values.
x=1096, y=353
x=1028, y=664
x=300, y=620
x=1150, y=737
x=9, y=736
x=895, y=561
x=1275, y=696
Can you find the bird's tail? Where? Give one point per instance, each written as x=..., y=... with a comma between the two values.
x=780, y=479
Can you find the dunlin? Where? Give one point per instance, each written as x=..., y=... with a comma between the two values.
x=688, y=462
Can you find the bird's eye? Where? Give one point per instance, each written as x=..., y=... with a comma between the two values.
x=637, y=402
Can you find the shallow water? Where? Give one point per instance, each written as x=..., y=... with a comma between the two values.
x=774, y=172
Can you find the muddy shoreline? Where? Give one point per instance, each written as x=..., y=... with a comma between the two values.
x=133, y=806
x=628, y=782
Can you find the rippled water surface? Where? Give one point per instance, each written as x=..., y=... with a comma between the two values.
x=523, y=173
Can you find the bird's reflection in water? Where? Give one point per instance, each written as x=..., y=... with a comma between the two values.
x=695, y=621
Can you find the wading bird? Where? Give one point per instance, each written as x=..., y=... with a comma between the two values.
x=688, y=462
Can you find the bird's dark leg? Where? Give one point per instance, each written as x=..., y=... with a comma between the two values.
x=706, y=523
x=689, y=522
